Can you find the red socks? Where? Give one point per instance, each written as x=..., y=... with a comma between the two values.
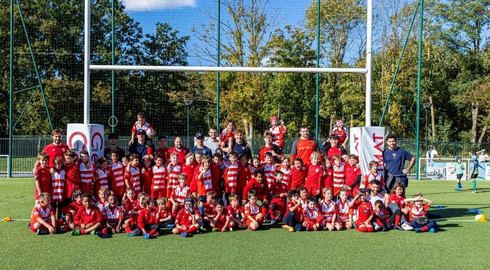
x=397, y=220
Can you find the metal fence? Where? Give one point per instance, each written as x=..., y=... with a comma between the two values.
x=26, y=148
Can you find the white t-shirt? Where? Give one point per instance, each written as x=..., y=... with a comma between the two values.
x=430, y=155
x=209, y=143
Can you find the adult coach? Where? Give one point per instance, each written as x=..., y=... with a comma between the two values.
x=303, y=146
x=394, y=158
x=179, y=149
x=57, y=148
x=212, y=141
x=431, y=154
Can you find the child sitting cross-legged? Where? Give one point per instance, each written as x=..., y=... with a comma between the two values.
x=418, y=206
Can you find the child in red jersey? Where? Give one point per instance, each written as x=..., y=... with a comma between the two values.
x=311, y=218
x=221, y=222
x=227, y=136
x=43, y=219
x=352, y=172
x=142, y=124
x=162, y=150
x=314, y=176
x=341, y=131
x=148, y=224
x=87, y=170
x=303, y=193
x=294, y=210
x=114, y=216
x=216, y=174
x=146, y=174
x=204, y=178
x=285, y=168
x=338, y=174
x=373, y=174
x=72, y=173
x=365, y=212
x=235, y=212
x=328, y=179
x=331, y=147
x=208, y=208
x=71, y=209
x=270, y=148
x=131, y=205
x=259, y=185
x=253, y=215
x=58, y=183
x=230, y=174
x=102, y=175
x=188, y=167
x=418, y=206
x=89, y=219
x=42, y=176
x=277, y=131
x=269, y=168
x=383, y=221
x=133, y=174
x=164, y=215
x=159, y=172
x=397, y=205
x=102, y=203
x=243, y=173
x=179, y=194
x=344, y=210
x=298, y=174
x=173, y=170
x=187, y=220
x=278, y=194
x=328, y=211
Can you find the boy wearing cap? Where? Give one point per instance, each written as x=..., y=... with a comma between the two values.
x=141, y=147
x=200, y=148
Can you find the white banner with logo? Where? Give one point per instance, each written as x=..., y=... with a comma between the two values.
x=368, y=144
x=90, y=137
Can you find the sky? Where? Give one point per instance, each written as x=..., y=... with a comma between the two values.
x=183, y=15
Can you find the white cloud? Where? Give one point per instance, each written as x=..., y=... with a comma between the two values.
x=152, y=5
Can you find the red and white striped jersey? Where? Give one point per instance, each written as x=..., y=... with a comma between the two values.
x=133, y=174
x=173, y=172
x=343, y=210
x=103, y=206
x=231, y=175
x=269, y=170
x=114, y=214
x=40, y=212
x=338, y=175
x=147, y=127
x=180, y=193
x=87, y=172
x=278, y=135
x=207, y=180
x=327, y=210
x=58, y=181
x=287, y=173
x=310, y=214
x=159, y=174
x=304, y=204
x=416, y=212
x=102, y=179
x=118, y=174
x=251, y=210
x=369, y=178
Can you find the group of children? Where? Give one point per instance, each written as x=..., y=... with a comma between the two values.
x=121, y=195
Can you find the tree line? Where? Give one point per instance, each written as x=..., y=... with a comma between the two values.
x=455, y=74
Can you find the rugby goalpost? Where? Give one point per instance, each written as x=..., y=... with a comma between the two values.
x=86, y=129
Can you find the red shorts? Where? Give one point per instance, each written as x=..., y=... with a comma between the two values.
x=312, y=190
x=59, y=222
x=248, y=221
x=155, y=194
x=87, y=188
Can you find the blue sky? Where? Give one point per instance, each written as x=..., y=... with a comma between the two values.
x=182, y=15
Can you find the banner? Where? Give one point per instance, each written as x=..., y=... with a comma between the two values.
x=90, y=137
x=355, y=141
x=451, y=171
x=483, y=170
x=372, y=145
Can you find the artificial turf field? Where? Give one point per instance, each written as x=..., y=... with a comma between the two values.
x=461, y=243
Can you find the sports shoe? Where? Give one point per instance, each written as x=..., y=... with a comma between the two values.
x=273, y=221
x=458, y=189
x=170, y=226
x=40, y=232
x=398, y=228
x=101, y=235
x=183, y=234
x=417, y=230
x=93, y=233
x=215, y=230
x=147, y=236
x=407, y=227
x=432, y=230
x=231, y=229
x=75, y=232
x=131, y=234
x=474, y=191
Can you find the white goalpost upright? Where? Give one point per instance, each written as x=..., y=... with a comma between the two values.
x=88, y=66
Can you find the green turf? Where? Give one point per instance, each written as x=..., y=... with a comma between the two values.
x=459, y=245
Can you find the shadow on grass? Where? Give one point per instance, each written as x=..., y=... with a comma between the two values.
x=450, y=213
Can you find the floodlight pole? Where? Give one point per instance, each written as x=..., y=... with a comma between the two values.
x=218, y=58
x=11, y=88
x=86, y=64
x=369, y=26
x=113, y=62
x=419, y=77
x=317, y=86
